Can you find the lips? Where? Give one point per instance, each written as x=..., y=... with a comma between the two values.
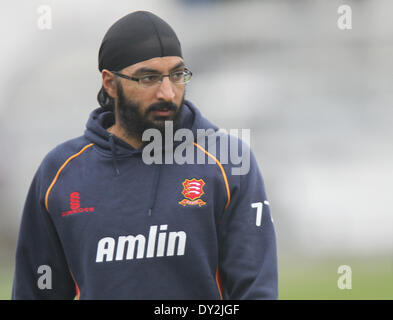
x=162, y=112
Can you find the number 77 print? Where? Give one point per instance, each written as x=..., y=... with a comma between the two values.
x=259, y=207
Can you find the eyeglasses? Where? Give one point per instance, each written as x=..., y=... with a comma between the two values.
x=149, y=80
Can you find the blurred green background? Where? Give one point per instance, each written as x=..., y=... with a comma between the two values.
x=306, y=279
x=372, y=278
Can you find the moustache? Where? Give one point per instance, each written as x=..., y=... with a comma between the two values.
x=162, y=106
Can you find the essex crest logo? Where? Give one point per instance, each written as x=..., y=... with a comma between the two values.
x=193, y=190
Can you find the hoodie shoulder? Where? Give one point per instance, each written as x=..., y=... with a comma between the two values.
x=66, y=149
x=59, y=155
x=52, y=163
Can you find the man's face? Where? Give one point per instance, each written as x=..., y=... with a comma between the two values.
x=140, y=108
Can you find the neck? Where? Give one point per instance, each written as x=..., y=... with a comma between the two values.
x=119, y=132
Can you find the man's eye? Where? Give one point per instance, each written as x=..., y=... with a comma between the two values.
x=177, y=75
x=150, y=78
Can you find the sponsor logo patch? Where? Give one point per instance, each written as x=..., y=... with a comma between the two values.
x=75, y=205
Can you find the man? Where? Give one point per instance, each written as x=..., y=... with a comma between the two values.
x=101, y=223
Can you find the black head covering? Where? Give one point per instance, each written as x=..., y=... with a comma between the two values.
x=137, y=37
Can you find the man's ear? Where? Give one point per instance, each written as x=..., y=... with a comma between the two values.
x=109, y=83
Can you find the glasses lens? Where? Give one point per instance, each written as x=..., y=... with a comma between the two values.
x=149, y=80
x=177, y=77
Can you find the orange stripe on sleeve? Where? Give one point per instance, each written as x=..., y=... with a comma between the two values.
x=222, y=171
x=78, y=294
x=59, y=171
x=76, y=287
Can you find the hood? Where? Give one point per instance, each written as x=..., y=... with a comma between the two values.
x=101, y=119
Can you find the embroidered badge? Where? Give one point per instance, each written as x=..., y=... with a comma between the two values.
x=193, y=190
x=75, y=206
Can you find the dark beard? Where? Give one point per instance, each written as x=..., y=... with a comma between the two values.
x=135, y=123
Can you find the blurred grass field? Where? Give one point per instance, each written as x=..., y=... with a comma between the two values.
x=372, y=278
x=6, y=275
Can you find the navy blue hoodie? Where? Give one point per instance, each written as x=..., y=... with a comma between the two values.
x=100, y=223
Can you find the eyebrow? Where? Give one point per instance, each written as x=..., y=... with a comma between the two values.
x=149, y=70
x=180, y=64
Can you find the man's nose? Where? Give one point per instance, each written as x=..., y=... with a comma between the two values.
x=165, y=90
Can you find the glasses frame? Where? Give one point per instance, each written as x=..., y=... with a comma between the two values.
x=137, y=79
